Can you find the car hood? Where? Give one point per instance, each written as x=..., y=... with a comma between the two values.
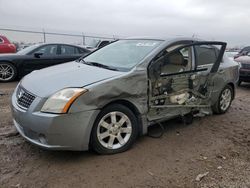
x=47, y=81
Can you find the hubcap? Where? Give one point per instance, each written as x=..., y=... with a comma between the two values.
x=114, y=130
x=6, y=72
x=225, y=99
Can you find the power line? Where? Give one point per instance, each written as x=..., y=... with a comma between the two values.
x=54, y=33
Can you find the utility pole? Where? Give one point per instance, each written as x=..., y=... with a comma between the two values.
x=83, y=39
x=44, y=36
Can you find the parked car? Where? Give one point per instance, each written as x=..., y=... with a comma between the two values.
x=99, y=44
x=107, y=99
x=103, y=43
x=6, y=46
x=244, y=68
x=36, y=57
x=22, y=46
x=243, y=52
x=231, y=54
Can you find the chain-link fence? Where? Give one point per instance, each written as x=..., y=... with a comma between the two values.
x=27, y=37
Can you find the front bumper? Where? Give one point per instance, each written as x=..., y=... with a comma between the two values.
x=53, y=131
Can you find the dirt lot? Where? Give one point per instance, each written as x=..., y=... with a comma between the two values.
x=218, y=144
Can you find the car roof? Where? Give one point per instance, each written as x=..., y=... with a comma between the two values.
x=247, y=48
x=4, y=38
x=172, y=39
x=41, y=44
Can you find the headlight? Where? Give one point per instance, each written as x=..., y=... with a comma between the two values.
x=61, y=101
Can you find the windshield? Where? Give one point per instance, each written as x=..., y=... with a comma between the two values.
x=27, y=50
x=123, y=54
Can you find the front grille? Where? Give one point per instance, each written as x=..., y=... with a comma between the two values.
x=24, y=98
x=245, y=65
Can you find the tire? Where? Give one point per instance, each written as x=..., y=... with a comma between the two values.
x=115, y=130
x=224, y=101
x=8, y=72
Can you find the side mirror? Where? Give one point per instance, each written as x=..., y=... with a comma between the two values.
x=38, y=55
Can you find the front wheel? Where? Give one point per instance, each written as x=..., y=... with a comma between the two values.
x=115, y=130
x=224, y=101
x=8, y=72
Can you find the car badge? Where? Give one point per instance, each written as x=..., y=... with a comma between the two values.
x=20, y=94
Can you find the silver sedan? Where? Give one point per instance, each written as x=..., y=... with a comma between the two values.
x=105, y=100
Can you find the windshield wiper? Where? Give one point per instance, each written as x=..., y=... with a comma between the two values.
x=99, y=65
x=81, y=59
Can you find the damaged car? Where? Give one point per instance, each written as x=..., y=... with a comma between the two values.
x=107, y=99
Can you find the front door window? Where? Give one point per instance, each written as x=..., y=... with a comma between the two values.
x=48, y=50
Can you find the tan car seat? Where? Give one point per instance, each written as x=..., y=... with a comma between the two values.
x=174, y=63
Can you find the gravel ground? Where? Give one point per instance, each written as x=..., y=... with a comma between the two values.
x=216, y=146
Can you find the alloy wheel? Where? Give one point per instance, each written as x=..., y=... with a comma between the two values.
x=114, y=130
x=225, y=99
x=7, y=72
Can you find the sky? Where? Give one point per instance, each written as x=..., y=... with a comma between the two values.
x=224, y=20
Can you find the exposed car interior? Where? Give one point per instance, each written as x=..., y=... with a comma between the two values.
x=175, y=80
x=179, y=61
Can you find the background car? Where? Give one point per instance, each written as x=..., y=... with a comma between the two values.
x=231, y=54
x=99, y=44
x=37, y=57
x=22, y=46
x=244, y=51
x=6, y=46
x=244, y=68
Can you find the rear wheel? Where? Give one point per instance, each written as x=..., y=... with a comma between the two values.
x=115, y=130
x=224, y=101
x=8, y=72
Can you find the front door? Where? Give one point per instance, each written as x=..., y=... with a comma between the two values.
x=48, y=57
x=181, y=78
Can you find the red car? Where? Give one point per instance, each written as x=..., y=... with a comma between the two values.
x=6, y=46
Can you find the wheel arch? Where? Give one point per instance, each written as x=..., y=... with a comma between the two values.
x=215, y=107
x=8, y=61
x=132, y=107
